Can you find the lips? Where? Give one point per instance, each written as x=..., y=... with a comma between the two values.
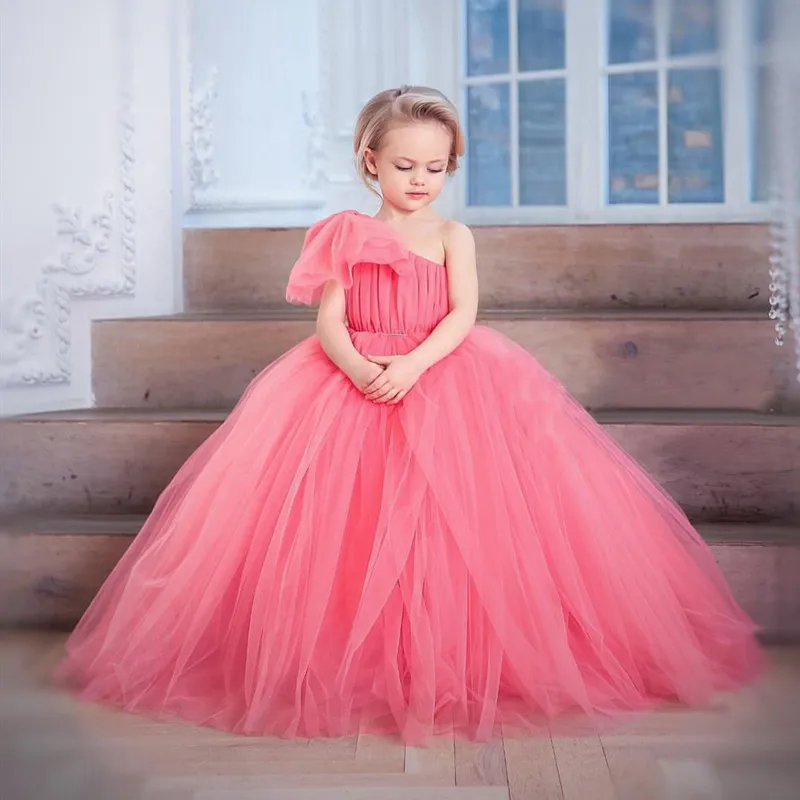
x=417, y=194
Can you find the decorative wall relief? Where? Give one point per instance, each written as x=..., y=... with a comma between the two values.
x=247, y=121
x=316, y=176
x=35, y=330
x=85, y=243
x=202, y=174
x=22, y=322
x=316, y=105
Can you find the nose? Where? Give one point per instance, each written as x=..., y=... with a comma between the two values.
x=417, y=180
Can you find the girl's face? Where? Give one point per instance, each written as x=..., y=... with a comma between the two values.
x=411, y=165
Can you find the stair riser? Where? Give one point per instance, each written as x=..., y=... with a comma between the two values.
x=48, y=581
x=604, y=363
x=732, y=472
x=579, y=266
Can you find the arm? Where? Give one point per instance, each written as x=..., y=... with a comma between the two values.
x=462, y=284
x=402, y=372
x=335, y=339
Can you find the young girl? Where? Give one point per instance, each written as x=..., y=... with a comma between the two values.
x=406, y=524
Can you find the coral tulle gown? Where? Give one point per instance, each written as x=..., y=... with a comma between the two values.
x=481, y=553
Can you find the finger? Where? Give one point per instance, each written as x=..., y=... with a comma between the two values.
x=387, y=393
x=377, y=386
x=395, y=400
x=384, y=401
x=384, y=360
x=380, y=378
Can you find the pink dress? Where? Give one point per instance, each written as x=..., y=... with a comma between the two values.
x=481, y=553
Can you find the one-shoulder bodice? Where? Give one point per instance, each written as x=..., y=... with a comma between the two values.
x=382, y=301
x=388, y=289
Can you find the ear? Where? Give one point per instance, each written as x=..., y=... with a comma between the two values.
x=369, y=160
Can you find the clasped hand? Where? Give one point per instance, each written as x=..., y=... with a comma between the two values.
x=394, y=382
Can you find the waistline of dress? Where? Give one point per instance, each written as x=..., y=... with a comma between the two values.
x=415, y=332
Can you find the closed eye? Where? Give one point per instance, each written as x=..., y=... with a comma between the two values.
x=406, y=169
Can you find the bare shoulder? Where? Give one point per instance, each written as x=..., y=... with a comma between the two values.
x=458, y=241
x=459, y=256
x=456, y=234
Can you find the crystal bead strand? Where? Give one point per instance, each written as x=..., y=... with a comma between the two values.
x=778, y=274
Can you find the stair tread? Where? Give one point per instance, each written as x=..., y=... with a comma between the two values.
x=129, y=524
x=293, y=314
x=71, y=524
x=605, y=416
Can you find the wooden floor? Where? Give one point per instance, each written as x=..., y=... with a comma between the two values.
x=746, y=747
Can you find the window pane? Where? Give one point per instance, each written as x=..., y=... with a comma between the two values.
x=763, y=20
x=631, y=31
x=542, y=143
x=541, y=34
x=633, y=138
x=693, y=27
x=760, y=175
x=489, y=138
x=487, y=37
x=694, y=135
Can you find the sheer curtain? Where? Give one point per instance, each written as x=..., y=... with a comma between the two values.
x=783, y=111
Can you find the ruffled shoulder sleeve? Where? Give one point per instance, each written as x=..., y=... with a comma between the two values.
x=333, y=246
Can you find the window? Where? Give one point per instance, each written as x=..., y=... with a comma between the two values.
x=613, y=109
x=664, y=106
x=516, y=103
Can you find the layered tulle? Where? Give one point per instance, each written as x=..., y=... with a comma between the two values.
x=481, y=553
x=335, y=246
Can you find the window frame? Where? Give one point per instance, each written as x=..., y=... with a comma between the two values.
x=586, y=114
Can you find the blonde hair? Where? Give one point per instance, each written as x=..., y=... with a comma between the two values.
x=404, y=105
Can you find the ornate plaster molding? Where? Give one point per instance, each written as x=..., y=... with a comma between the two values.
x=35, y=329
x=202, y=173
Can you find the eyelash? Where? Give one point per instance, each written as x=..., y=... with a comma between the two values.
x=406, y=169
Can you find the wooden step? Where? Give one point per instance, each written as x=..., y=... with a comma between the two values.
x=574, y=266
x=606, y=359
x=719, y=465
x=51, y=567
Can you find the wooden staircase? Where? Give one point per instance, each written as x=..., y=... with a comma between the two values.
x=662, y=331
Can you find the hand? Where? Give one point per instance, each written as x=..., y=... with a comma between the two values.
x=399, y=376
x=365, y=374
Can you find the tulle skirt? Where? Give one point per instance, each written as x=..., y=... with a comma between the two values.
x=481, y=554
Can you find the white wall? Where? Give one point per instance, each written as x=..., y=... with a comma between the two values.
x=275, y=90
x=140, y=117
x=252, y=86
x=85, y=204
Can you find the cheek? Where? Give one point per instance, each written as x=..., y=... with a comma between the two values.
x=397, y=185
x=387, y=172
x=396, y=177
